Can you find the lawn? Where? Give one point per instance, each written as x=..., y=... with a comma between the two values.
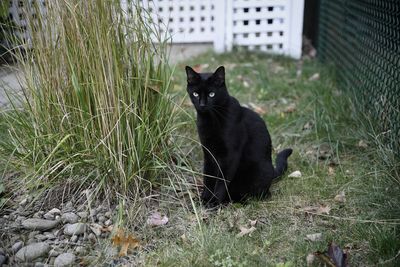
x=346, y=191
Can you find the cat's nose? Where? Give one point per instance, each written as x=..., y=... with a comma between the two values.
x=202, y=103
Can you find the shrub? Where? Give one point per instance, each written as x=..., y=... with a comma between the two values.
x=96, y=105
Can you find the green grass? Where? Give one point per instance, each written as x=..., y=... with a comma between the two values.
x=367, y=223
x=96, y=111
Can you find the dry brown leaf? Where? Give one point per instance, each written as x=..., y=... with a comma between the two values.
x=290, y=108
x=341, y=197
x=257, y=108
x=245, y=231
x=155, y=219
x=125, y=242
x=322, y=209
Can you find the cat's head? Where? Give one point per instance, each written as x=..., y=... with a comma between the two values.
x=206, y=90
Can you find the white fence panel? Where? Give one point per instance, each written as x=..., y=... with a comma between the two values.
x=274, y=26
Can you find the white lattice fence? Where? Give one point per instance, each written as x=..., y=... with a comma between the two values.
x=273, y=26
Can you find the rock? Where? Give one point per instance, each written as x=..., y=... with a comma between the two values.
x=92, y=237
x=40, y=237
x=108, y=223
x=23, y=203
x=75, y=229
x=33, y=234
x=93, y=213
x=74, y=238
x=50, y=215
x=69, y=217
x=65, y=259
x=32, y=252
x=80, y=250
x=108, y=214
x=39, y=224
x=96, y=228
x=17, y=246
x=40, y=264
x=68, y=206
x=101, y=218
x=54, y=253
x=295, y=174
x=3, y=259
x=111, y=252
x=50, y=236
x=83, y=214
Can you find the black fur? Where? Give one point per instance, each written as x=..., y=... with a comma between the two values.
x=236, y=143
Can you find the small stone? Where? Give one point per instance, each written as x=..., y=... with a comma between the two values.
x=58, y=217
x=74, y=238
x=93, y=213
x=39, y=224
x=108, y=214
x=32, y=252
x=3, y=259
x=108, y=223
x=101, y=218
x=23, y=202
x=80, y=250
x=33, y=234
x=70, y=217
x=68, y=206
x=111, y=251
x=54, y=253
x=50, y=215
x=40, y=237
x=50, y=236
x=39, y=264
x=96, y=228
x=75, y=229
x=92, y=237
x=65, y=259
x=31, y=241
x=83, y=214
x=52, y=260
x=17, y=246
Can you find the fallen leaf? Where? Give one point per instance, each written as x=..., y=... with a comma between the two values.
x=253, y=222
x=322, y=209
x=295, y=174
x=314, y=77
x=155, y=219
x=290, y=108
x=246, y=84
x=308, y=126
x=257, y=108
x=245, y=231
x=314, y=237
x=362, y=144
x=341, y=197
x=183, y=238
x=124, y=241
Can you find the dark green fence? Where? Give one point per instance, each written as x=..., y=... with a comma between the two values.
x=362, y=38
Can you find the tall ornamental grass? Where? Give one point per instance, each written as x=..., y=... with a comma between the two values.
x=96, y=107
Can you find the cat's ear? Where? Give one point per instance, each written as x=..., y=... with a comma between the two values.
x=219, y=75
x=192, y=76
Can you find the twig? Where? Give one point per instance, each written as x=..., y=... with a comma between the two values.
x=389, y=260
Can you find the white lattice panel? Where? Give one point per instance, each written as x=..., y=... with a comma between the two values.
x=261, y=25
x=187, y=21
x=18, y=12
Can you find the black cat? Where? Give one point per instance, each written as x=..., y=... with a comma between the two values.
x=236, y=143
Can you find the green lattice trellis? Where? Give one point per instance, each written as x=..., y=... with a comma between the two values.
x=362, y=38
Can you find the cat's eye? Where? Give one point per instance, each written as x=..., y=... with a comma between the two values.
x=195, y=94
x=211, y=94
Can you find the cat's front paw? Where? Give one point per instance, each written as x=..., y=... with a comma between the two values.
x=206, y=196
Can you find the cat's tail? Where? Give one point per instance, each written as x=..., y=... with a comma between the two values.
x=281, y=161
